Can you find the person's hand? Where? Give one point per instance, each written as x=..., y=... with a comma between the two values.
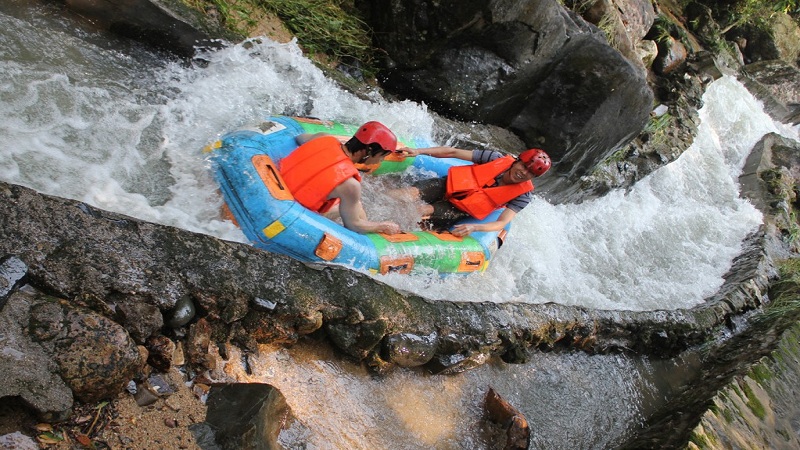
x=463, y=229
x=388, y=228
x=410, y=151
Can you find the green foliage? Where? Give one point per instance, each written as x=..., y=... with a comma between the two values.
x=793, y=233
x=658, y=124
x=234, y=15
x=761, y=373
x=329, y=27
x=758, y=13
x=664, y=29
x=785, y=293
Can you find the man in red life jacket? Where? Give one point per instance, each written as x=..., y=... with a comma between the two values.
x=493, y=181
x=321, y=174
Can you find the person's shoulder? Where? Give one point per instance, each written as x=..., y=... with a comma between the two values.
x=484, y=156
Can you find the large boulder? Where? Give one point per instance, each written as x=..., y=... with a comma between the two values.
x=530, y=66
x=165, y=24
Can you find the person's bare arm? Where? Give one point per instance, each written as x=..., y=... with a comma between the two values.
x=305, y=137
x=465, y=229
x=440, y=152
x=352, y=212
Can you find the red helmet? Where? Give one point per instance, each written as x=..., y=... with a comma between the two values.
x=376, y=133
x=536, y=161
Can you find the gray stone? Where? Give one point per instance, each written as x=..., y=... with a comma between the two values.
x=12, y=275
x=28, y=369
x=409, y=350
x=182, y=313
x=18, y=441
x=166, y=24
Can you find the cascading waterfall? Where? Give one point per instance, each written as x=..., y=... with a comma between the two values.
x=124, y=130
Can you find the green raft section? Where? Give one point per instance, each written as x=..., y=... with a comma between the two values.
x=338, y=129
x=442, y=251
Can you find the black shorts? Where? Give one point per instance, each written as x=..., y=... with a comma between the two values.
x=445, y=214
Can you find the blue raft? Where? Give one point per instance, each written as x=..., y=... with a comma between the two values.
x=245, y=165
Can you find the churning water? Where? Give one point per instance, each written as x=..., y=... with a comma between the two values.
x=124, y=132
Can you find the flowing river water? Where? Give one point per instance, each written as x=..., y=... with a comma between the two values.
x=88, y=117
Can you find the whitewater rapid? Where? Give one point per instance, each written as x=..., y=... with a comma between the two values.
x=124, y=132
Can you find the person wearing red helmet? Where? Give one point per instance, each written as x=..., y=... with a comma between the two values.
x=494, y=181
x=322, y=174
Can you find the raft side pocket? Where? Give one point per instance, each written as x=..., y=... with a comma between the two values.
x=400, y=237
x=271, y=177
x=472, y=262
x=328, y=248
x=402, y=264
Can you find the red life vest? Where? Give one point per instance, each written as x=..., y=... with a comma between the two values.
x=468, y=187
x=313, y=170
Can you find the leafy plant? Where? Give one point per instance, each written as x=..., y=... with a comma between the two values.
x=325, y=26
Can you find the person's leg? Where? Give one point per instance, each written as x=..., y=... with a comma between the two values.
x=442, y=217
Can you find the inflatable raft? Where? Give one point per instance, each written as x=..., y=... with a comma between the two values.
x=246, y=166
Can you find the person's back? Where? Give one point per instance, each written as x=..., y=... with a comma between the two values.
x=322, y=175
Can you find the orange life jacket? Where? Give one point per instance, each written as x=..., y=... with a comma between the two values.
x=468, y=187
x=314, y=169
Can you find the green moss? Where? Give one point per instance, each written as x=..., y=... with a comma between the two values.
x=701, y=439
x=785, y=293
x=753, y=403
x=761, y=373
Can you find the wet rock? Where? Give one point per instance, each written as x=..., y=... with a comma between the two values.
x=96, y=356
x=409, y=350
x=182, y=313
x=160, y=352
x=12, y=275
x=167, y=25
x=456, y=363
x=359, y=339
x=777, y=84
x=197, y=345
x=142, y=320
x=499, y=64
x=221, y=270
x=309, y=322
x=513, y=422
x=248, y=416
x=27, y=368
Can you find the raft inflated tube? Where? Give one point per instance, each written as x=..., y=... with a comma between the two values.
x=246, y=166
